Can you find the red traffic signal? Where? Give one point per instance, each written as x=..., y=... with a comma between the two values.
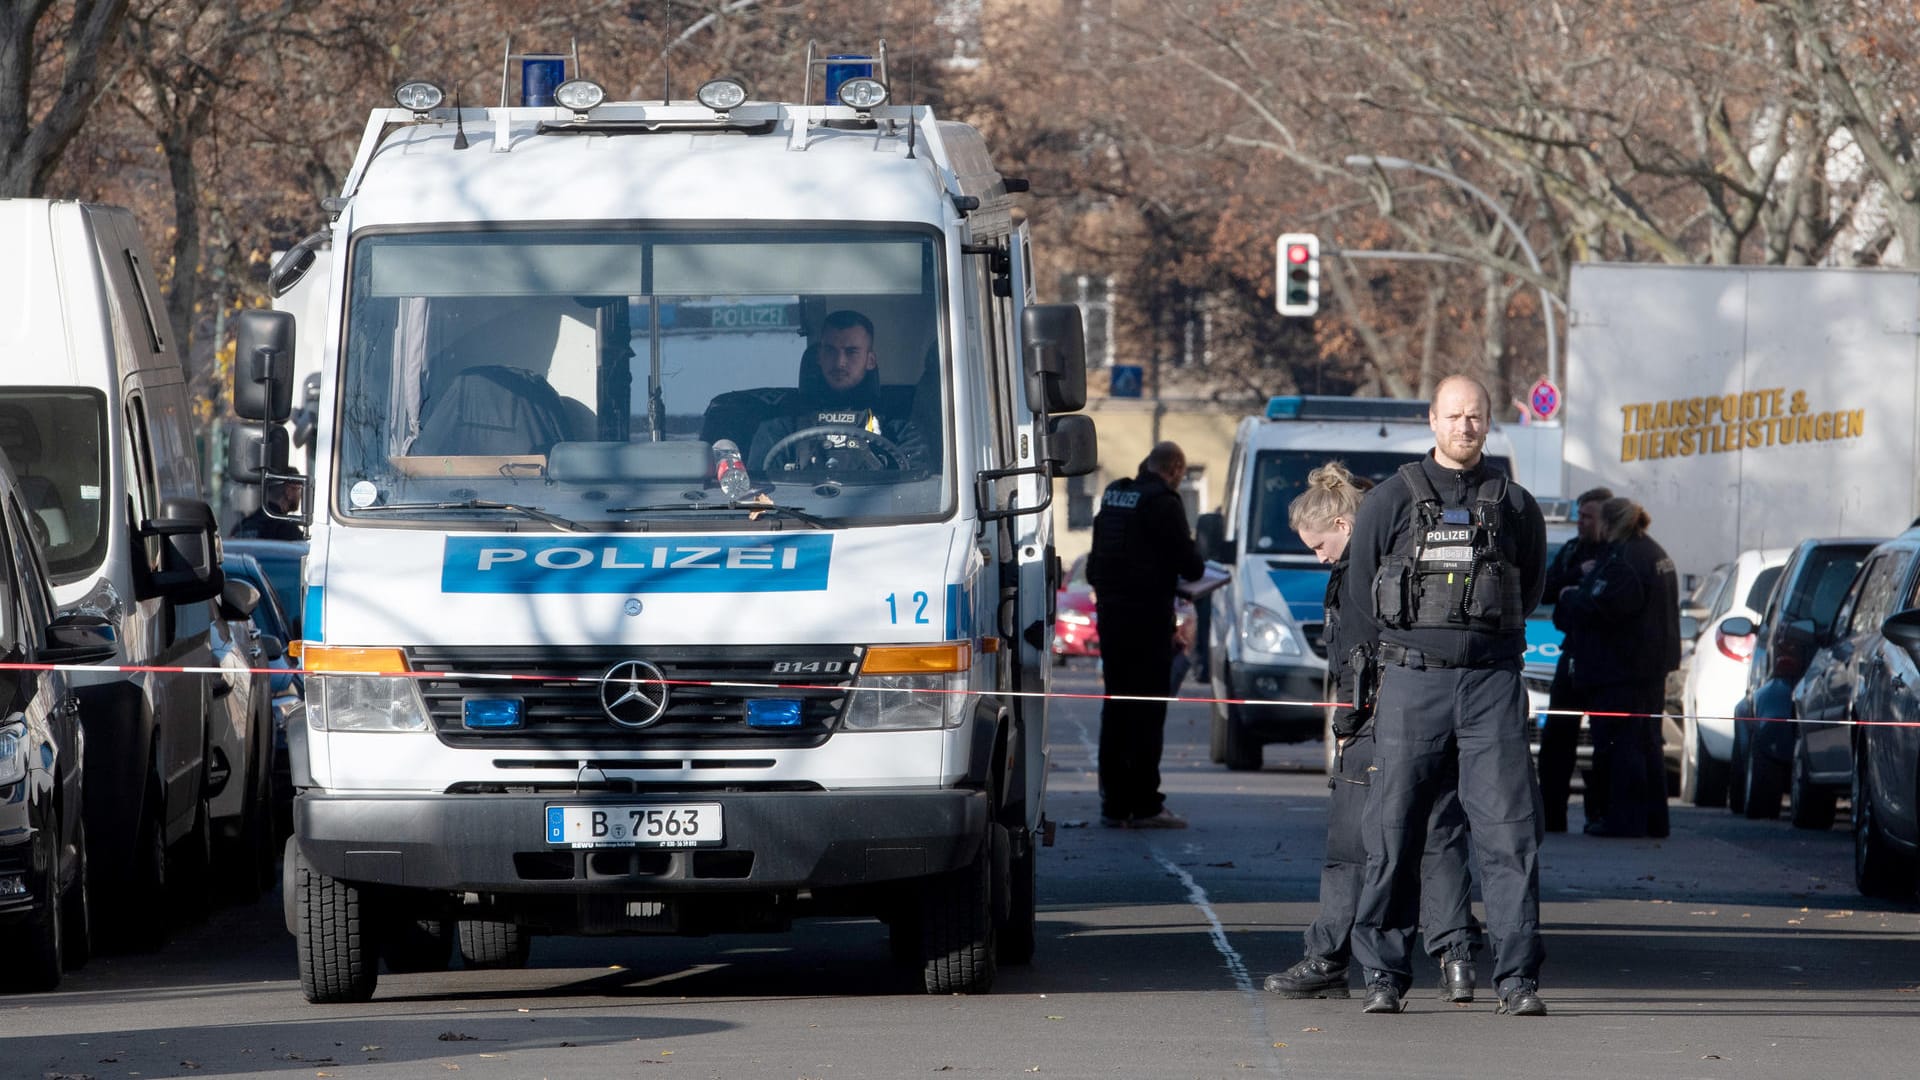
x=1298, y=291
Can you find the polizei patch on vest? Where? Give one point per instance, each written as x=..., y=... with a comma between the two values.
x=633, y=564
x=1123, y=499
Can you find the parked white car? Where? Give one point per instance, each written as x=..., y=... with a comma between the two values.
x=1717, y=675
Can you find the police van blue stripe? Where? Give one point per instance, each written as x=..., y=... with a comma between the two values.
x=1304, y=590
x=636, y=564
x=310, y=628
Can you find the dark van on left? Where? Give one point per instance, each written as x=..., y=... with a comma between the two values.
x=44, y=909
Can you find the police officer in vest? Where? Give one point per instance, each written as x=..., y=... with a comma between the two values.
x=1141, y=544
x=1448, y=557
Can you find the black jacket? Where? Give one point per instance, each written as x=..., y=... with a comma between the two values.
x=1141, y=548
x=817, y=405
x=1340, y=634
x=1384, y=526
x=1623, y=620
x=1564, y=572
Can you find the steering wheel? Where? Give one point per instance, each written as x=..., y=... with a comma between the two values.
x=870, y=441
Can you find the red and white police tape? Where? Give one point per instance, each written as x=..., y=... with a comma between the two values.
x=510, y=677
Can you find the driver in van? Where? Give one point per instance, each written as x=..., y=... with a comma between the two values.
x=836, y=423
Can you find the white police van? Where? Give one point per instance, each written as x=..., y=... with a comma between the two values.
x=615, y=621
x=1264, y=626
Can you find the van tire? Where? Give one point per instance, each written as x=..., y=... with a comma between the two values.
x=1233, y=746
x=958, y=948
x=337, y=962
x=489, y=945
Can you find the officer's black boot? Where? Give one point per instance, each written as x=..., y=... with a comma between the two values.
x=1382, y=995
x=1312, y=977
x=1457, y=977
x=1521, y=997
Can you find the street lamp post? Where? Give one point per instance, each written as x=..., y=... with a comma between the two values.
x=1376, y=161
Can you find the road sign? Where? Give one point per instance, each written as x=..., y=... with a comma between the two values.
x=1127, y=380
x=1545, y=399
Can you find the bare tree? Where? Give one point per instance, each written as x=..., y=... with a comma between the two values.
x=50, y=75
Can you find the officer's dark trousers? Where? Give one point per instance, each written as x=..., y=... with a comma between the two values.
x=1136, y=657
x=1560, y=754
x=1635, y=769
x=1446, y=909
x=1428, y=723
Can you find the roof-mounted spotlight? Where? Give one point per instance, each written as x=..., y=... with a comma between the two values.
x=579, y=95
x=863, y=94
x=722, y=95
x=418, y=96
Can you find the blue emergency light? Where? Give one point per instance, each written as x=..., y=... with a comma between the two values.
x=1283, y=408
x=540, y=75
x=774, y=713
x=487, y=714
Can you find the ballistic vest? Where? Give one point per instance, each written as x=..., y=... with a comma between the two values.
x=1457, y=577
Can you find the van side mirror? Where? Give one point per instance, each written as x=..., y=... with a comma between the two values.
x=254, y=453
x=1073, y=448
x=80, y=639
x=263, y=365
x=295, y=263
x=187, y=570
x=1903, y=629
x=1211, y=532
x=1056, y=357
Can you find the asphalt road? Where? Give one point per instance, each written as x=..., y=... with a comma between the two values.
x=1732, y=949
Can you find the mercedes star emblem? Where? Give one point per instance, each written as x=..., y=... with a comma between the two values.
x=633, y=693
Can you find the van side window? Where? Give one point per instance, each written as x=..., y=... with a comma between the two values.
x=1877, y=591
x=147, y=306
x=142, y=495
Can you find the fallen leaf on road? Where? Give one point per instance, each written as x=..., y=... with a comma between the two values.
x=1795, y=922
x=1839, y=914
x=1309, y=1029
x=1056, y=1018
x=455, y=1036
x=1703, y=912
x=1279, y=1046
x=369, y=1048
x=1710, y=1057
x=1228, y=865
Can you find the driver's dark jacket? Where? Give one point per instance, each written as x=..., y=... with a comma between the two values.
x=816, y=406
x=1385, y=525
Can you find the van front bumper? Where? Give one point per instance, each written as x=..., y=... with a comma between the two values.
x=773, y=841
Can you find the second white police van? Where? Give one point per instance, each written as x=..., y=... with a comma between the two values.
x=1265, y=624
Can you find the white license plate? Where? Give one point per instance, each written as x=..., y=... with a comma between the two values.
x=658, y=825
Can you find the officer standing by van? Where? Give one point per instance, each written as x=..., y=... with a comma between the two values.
x=1448, y=557
x=1141, y=545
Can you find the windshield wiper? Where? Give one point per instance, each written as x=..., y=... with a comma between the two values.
x=776, y=509
x=533, y=512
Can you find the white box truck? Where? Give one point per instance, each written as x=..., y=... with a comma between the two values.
x=680, y=560
x=1744, y=406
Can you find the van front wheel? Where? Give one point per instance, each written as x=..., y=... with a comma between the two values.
x=333, y=937
x=958, y=953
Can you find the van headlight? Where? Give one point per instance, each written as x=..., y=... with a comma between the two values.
x=910, y=688
x=1269, y=632
x=13, y=754
x=370, y=691
x=905, y=702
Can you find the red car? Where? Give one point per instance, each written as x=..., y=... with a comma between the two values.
x=1075, y=632
x=1076, y=629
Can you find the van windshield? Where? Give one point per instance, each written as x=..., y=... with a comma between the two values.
x=1281, y=475
x=607, y=378
x=53, y=437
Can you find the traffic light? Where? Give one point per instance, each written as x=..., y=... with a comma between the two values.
x=1298, y=255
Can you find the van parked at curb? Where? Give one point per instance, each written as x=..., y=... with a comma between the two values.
x=95, y=417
